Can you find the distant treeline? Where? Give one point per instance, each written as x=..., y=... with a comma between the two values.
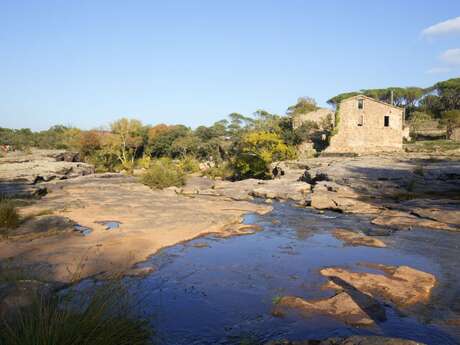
x=239, y=146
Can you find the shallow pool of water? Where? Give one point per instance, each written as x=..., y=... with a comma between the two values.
x=220, y=291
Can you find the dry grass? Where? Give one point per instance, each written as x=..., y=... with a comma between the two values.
x=75, y=319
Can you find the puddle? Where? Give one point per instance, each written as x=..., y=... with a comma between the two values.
x=109, y=224
x=222, y=291
x=85, y=231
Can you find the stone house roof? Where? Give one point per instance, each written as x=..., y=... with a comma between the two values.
x=371, y=99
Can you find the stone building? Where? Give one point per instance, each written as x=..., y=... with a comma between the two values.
x=366, y=125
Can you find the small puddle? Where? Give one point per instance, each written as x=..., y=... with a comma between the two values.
x=109, y=224
x=84, y=230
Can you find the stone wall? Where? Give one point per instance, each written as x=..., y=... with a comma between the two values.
x=456, y=134
x=363, y=130
x=315, y=116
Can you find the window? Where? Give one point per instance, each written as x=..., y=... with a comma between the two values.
x=386, y=121
x=360, y=120
x=360, y=104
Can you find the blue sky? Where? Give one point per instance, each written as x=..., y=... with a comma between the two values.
x=87, y=63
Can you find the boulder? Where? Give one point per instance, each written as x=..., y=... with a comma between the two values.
x=399, y=220
x=402, y=285
x=353, y=310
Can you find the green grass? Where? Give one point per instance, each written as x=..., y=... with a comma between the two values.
x=99, y=319
x=163, y=174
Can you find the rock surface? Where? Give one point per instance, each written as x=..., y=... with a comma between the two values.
x=400, y=220
x=356, y=239
x=20, y=172
x=353, y=340
x=355, y=310
x=402, y=285
x=150, y=220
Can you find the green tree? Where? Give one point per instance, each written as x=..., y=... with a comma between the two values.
x=125, y=141
x=256, y=151
x=304, y=105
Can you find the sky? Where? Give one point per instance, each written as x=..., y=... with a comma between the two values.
x=88, y=63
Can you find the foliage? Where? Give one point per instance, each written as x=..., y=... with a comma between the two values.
x=161, y=144
x=306, y=131
x=451, y=119
x=125, y=140
x=256, y=151
x=89, y=142
x=103, y=160
x=163, y=173
x=335, y=101
x=100, y=319
x=419, y=120
x=189, y=165
x=304, y=105
x=222, y=171
x=9, y=217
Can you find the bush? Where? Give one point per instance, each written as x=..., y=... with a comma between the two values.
x=162, y=174
x=100, y=319
x=189, y=165
x=256, y=151
x=223, y=171
x=9, y=217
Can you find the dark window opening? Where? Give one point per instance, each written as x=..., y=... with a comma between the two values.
x=360, y=104
x=386, y=121
x=361, y=120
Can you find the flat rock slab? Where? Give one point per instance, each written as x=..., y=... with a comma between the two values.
x=21, y=171
x=151, y=220
x=402, y=285
x=353, y=311
x=399, y=220
x=354, y=340
x=352, y=238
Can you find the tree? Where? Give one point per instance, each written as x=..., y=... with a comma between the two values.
x=125, y=141
x=256, y=151
x=161, y=145
x=304, y=105
x=451, y=119
x=306, y=132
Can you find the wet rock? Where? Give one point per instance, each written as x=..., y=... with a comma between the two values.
x=151, y=221
x=352, y=238
x=402, y=285
x=240, y=230
x=328, y=200
x=359, y=310
x=353, y=340
x=139, y=272
x=440, y=210
x=399, y=220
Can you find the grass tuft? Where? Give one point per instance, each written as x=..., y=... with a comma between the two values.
x=100, y=319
